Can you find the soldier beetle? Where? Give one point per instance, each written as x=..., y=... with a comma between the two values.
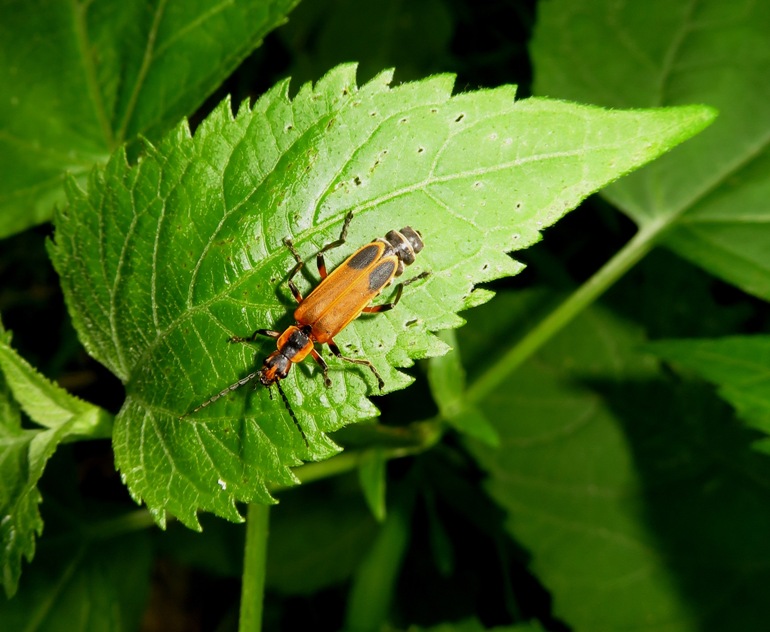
x=341, y=297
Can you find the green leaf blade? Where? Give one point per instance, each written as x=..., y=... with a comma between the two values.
x=163, y=262
x=610, y=475
x=710, y=194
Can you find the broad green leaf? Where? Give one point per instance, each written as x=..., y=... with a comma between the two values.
x=80, y=78
x=738, y=365
x=708, y=201
x=162, y=262
x=640, y=501
x=24, y=452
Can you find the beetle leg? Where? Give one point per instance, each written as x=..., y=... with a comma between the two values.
x=291, y=412
x=319, y=258
x=324, y=367
x=384, y=307
x=295, y=270
x=260, y=332
x=336, y=351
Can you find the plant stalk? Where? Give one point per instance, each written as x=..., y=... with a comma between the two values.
x=254, y=567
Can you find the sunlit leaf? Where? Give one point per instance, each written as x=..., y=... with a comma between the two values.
x=708, y=200
x=162, y=262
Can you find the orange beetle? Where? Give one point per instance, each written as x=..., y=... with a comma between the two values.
x=339, y=299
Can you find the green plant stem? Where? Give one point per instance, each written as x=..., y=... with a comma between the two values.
x=424, y=435
x=254, y=564
x=603, y=279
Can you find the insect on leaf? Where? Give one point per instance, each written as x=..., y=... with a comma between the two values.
x=163, y=261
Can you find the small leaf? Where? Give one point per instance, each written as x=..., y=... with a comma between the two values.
x=738, y=365
x=24, y=453
x=162, y=262
x=438, y=538
x=447, y=384
x=46, y=403
x=81, y=78
x=376, y=578
x=708, y=200
x=372, y=476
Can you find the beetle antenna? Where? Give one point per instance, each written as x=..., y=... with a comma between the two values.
x=223, y=392
x=291, y=413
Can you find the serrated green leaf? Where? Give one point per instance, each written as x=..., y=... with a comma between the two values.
x=640, y=502
x=162, y=262
x=24, y=452
x=738, y=365
x=81, y=78
x=708, y=199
